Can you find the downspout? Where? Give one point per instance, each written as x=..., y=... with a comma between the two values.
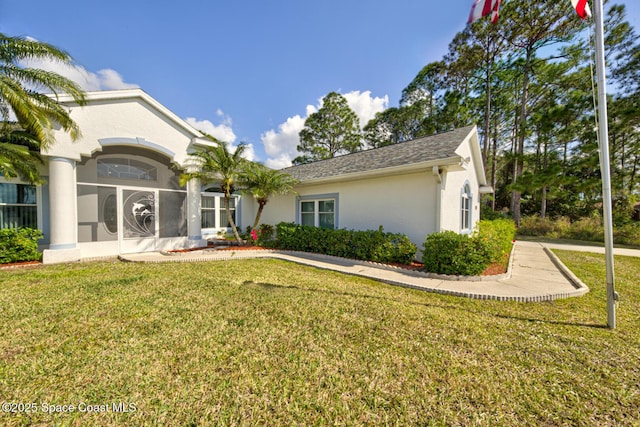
x=438, y=210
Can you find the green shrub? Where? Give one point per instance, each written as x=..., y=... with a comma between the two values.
x=497, y=236
x=628, y=234
x=589, y=228
x=19, y=245
x=448, y=252
x=369, y=245
x=265, y=234
x=544, y=227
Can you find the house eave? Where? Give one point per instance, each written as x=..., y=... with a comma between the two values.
x=389, y=171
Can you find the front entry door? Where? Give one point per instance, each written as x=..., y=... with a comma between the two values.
x=139, y=231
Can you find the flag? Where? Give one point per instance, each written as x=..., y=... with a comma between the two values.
x=482, y=8
x=582, y=7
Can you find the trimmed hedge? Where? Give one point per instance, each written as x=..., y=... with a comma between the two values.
x=369, y=245
x=448, y=252
x=19, y=245
x=451, y=253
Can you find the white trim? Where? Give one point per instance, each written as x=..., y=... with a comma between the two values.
x=318, y=198
x=135, y=142
x=464, y=195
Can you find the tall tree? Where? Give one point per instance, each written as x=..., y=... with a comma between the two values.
x=28, y=96
x=332, y=130
x=263, y=183
x=529, y=27
x=217, y=164
x=473, y=60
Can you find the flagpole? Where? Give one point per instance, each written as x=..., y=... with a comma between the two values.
x=603, y=136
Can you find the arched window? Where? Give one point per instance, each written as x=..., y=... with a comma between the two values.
x=123, y=168
x=465, y=208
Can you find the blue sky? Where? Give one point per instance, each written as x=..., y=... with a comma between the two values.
x=249, y=71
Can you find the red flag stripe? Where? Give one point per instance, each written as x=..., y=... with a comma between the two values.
x=582, y=8
x=482, y=8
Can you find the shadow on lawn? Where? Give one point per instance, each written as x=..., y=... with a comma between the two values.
x=552, y=322
x=271, y=286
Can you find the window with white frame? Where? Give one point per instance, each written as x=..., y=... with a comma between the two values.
x=318, y=212
x=465, y=206
x=213, y=213
x=18, y=205
x=224, y=221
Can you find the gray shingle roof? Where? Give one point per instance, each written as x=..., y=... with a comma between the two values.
x=428, y=148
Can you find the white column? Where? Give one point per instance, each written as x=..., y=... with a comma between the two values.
x=62, y=212
x=194, y=222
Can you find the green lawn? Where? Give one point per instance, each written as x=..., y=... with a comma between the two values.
x=267, y=342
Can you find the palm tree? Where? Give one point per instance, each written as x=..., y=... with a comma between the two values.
x=262, y=183
x=28, y=97
x=218, y=165
x=19, y=155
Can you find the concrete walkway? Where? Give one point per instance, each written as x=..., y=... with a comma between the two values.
x=535, y=273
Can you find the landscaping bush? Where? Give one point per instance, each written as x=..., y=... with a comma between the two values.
x=19, y=245
x=265, y=234
x=262, y=236
x=497, y=236
x=369, y=245
x=452, y=253
x=448, y=252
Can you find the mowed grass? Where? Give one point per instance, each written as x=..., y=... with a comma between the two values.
x=267, y=342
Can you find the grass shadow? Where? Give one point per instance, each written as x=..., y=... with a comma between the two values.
x=272, y=286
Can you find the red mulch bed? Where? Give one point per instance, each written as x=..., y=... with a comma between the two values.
x=240, y=248
x=494, y=269
x=20, y=264
x=221, y=248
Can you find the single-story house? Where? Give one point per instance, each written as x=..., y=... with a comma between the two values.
x=115, y=190
x=417, y=187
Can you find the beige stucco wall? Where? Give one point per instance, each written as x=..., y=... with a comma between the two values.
x=455, y=180
x=401, y=204
x=127, y=119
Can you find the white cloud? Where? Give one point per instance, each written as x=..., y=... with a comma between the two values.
x=249, y=152
x=223, y=131
x=280, y=145
x=106, y=79
x=365, y=106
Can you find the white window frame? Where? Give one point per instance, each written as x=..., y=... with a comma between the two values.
x=316, y=199
x=37, y=204
x=466, y=209
x=218, y=210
